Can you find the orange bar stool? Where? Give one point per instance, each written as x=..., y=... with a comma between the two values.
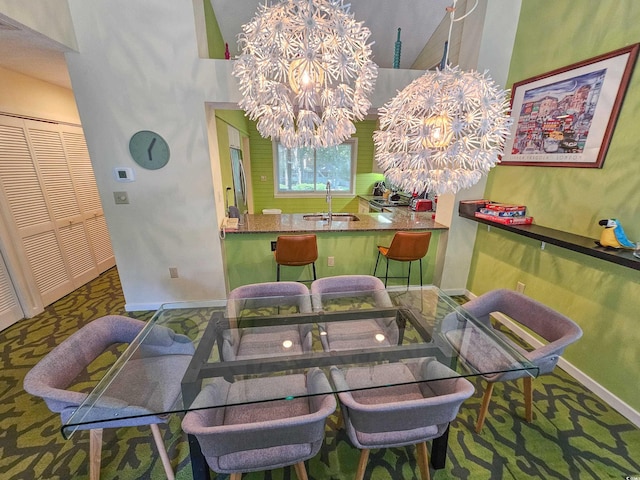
x=405, y=247
x=296, y=251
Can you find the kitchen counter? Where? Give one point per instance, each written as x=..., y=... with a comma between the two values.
x=400, y=219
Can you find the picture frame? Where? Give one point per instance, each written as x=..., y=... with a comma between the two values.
x=566, y=117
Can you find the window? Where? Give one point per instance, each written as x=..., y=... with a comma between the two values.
x=305, y=171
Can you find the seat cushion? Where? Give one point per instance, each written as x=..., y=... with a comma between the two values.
x=482, y=353
x=268, y=342
x=355, y=334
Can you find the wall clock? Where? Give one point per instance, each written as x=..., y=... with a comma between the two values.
x=149, y=150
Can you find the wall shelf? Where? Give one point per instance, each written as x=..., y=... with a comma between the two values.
x=575, y=243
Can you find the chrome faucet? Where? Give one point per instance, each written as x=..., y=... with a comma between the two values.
x=329, y=198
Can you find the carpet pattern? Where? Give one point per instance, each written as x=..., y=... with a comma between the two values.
x=574, y=434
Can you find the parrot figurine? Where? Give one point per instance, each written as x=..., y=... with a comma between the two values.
x=613, y=235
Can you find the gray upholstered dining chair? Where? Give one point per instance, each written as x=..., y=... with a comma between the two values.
x=269, y=298
x=150, y=381
x=353, y=334
x=262, y=435
x=557, y=330
x=399, y=415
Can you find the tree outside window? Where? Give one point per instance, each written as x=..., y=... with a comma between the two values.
x=307, y=170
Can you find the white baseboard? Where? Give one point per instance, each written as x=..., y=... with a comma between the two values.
x=605, y=395
x=138, y=307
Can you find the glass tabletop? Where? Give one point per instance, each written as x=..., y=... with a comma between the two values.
x=379, y=338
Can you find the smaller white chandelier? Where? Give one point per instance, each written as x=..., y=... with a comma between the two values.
x=305, y=72
x=443, y=131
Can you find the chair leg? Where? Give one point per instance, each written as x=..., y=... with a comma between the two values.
x=164, y=456
x=386, y=273
x=277, y=272
x=420, y=260
x=235, y=476
x=95, y=451
x=313, y=265
x=409, y=275
x=301, y=471
x=362, y=464
x=423, y=460
x=528, y=398
x=375, y=269
x=485, y=406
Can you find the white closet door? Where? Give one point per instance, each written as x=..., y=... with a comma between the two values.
x=55, y=175
x=25, y=209
x=10, y=310
x=50, y=205
x=84, y=183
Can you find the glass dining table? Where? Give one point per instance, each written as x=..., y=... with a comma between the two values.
x=280, y=338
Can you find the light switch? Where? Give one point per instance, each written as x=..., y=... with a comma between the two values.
x=121, y=198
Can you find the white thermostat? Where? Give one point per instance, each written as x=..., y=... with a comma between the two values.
x=124, y=174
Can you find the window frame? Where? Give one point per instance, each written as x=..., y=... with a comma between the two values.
x=316, y=193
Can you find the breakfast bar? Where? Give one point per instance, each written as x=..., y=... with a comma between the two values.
x=346, y=245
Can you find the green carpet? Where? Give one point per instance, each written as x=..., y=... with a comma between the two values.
x=574, y=435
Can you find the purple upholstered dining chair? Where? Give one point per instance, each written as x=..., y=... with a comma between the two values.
x=152, y=376
x=262, y=435
x=256, y=342
x=353, y=334
x=399, y=415
x=555, y=329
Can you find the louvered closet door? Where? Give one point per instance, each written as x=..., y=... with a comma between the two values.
x=10, y=309
x=26, y=212
x=56, y=177
x=84, y=184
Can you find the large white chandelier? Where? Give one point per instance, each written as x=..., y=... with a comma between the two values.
x=305, y=72
x=443, y=131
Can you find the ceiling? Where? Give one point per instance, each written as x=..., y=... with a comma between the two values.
x=417, y=20
x=30, y=53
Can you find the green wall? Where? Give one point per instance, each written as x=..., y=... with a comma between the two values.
x=262, y=167
x=602, y=297
x=249, y=258
x=215, y=41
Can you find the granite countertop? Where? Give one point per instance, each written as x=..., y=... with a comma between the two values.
x=399, y=219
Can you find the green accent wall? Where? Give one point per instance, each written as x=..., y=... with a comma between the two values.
x=262, y=166
x=249, y=258
x=602, y=297
x=215, y=41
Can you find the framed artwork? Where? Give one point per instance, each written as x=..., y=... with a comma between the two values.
x=566, y=117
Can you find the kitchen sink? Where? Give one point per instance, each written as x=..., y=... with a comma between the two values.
x=336, y=217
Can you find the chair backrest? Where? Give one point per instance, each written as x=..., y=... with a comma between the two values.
x=439, y=403
x=349, y=283
x=409, y=246
x=281, y=423
x=270, y=293
x=56, y=372
x=296, y=250
x=557, y=329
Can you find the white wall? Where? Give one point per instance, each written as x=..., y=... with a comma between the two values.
x=138, y=69
x=48, y=17
x=496, y=45
x=29, y=97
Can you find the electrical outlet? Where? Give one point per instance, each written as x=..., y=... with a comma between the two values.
x=173, y=272
x=520, y=287
x=273, y=246
x=263, y=178
x=331, y=261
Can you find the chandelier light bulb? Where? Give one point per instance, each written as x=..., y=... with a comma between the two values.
x=305, y=72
